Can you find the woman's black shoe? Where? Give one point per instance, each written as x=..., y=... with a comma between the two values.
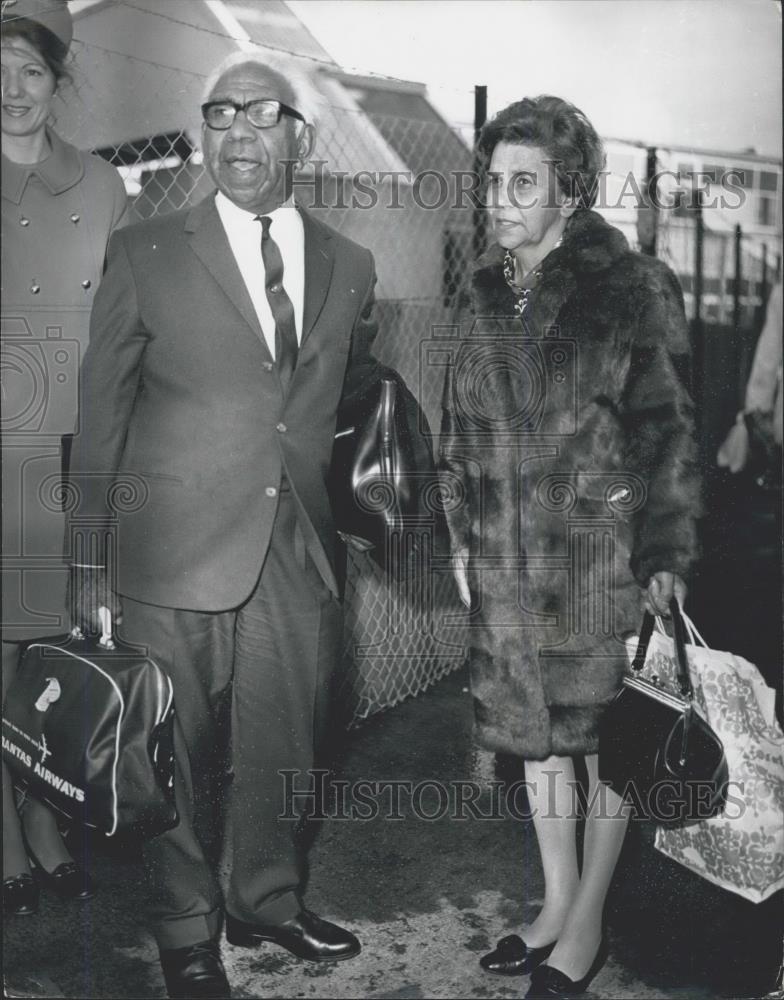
x=20, y=895
x=513, y=957
x=69, y=880
x=549, y=982
x=196, y=971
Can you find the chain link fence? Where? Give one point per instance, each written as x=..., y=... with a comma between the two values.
x=376, y=176
x=391, y=173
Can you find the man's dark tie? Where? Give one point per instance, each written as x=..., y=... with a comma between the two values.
x=282, y=309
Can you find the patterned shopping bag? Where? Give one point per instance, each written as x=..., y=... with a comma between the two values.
x=741, y=850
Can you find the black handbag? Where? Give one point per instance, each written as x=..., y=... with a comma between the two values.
x=382, y=461
x=655, y=750
x=88, y=729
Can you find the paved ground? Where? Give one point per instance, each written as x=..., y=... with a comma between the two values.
x=426, y=898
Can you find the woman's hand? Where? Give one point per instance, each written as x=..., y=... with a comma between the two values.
x=460, y=569
x=662, y=587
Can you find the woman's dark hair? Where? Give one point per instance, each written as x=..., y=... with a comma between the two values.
x=562, y=131
x=53, y=51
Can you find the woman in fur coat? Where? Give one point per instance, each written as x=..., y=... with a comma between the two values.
x=568, y=454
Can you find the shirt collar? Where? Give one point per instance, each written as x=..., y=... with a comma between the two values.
x=62, y=169
x=228, y=210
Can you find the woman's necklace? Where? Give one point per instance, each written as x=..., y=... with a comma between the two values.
x=529, y=282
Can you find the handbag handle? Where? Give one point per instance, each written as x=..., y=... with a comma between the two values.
x=105, y=618
x=695, y=638
x=679, y=636
x=387, y=451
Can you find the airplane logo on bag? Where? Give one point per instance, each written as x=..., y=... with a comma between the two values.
x=49, y=695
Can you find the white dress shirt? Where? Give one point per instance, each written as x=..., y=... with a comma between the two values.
x=244, y=234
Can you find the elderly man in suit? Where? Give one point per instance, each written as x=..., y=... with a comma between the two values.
x=221, y=338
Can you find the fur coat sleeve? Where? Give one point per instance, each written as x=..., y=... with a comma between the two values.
x=657, y=416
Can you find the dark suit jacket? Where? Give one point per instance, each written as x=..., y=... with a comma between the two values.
x=178, y=389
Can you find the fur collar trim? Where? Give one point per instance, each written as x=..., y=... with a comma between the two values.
x=590, y=245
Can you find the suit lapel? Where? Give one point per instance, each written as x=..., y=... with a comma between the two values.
x=319, y=261
x=209, y=243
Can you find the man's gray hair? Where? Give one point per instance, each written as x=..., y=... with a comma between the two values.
x=272, y=63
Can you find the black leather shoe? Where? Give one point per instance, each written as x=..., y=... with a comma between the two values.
x=20, y=895
x=549, y=982
x=513, y=957
x=69, y=880
x=306, y=936
x=195, y=972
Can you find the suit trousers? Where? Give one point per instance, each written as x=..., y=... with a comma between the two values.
x=252, y=688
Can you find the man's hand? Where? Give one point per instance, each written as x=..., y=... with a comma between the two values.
x=662, y=587
x=460, y=569
x=88, y=590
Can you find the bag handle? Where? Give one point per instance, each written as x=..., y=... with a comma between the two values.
x=387, y=451
x=692, y=631
x=646, y=631
x=679, y=636
x=105, y=619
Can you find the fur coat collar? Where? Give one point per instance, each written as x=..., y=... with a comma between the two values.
x=589, y=246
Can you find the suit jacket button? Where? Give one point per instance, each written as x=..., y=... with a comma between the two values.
x=271, y=491
x=281, y=428
x=274, y=288
x=86, y=284
x=75, y=219
x=267, y=366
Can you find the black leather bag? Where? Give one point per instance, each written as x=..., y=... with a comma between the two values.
x=88, y=729
x=655, y=750
x=382, y=462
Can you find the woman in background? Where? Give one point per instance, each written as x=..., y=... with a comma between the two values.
x=567, y=445
x=59, y=207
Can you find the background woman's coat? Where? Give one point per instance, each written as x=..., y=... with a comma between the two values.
x=568, y=445
x=57, y=217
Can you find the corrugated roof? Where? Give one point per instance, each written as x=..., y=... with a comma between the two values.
x=140, y=67
x=411, y=125
x=271, y=22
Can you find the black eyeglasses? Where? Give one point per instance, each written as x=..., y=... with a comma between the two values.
x=261, y=114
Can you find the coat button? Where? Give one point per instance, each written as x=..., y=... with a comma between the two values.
x=24, y=222
x=281, y=428
x=35, y=288
x=267, y=366
x=75, y=218
x=274, y=288
x=271, y=491
x=86, y=283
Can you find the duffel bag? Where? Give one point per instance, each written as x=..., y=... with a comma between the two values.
x=88, y=728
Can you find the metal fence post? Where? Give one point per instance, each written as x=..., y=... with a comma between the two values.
x=736, y=310
x=741, y=349
x=480, y=117
x=647, y=233
x=698, y=333
x=763, y=286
